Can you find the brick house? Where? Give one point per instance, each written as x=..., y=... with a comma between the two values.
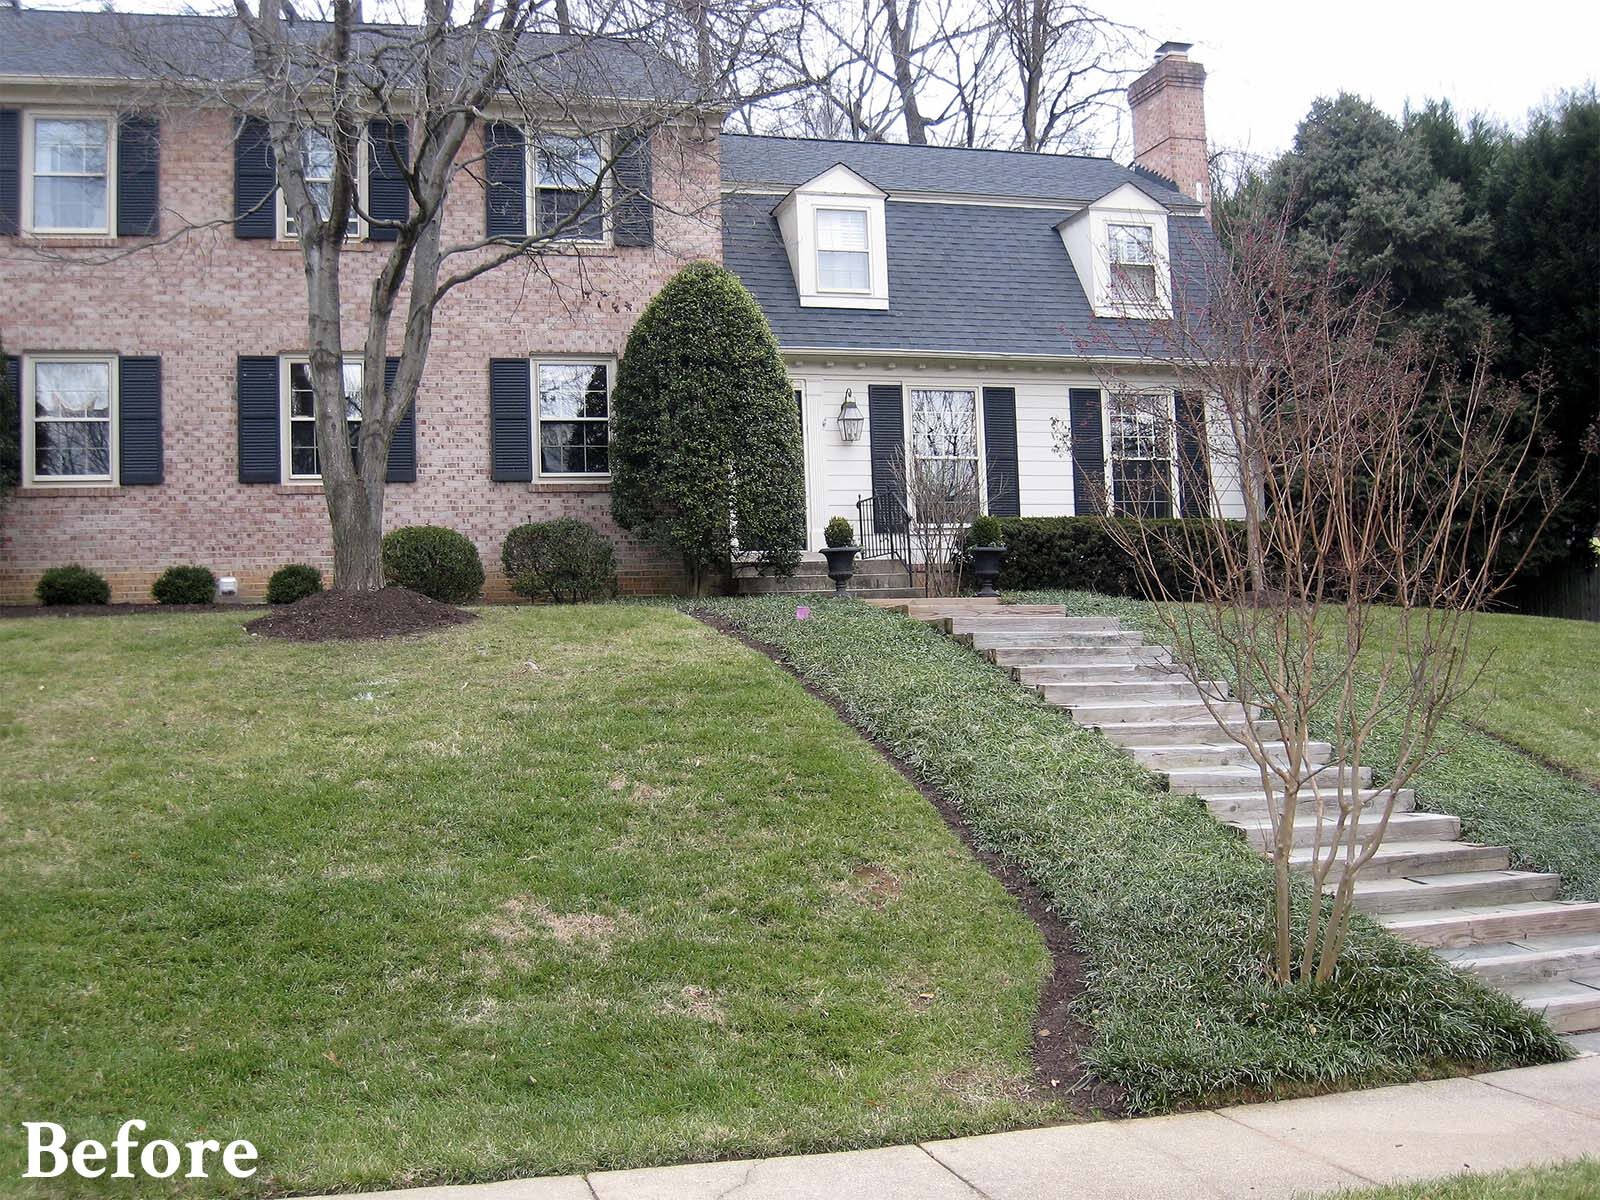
x=165, y=411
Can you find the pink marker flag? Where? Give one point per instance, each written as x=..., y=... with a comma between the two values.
x=802, y=613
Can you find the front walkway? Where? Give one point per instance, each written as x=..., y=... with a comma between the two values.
x=1295, y=1147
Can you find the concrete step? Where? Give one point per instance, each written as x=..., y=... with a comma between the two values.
x=1196, y=731
x=1222, y=754
x=1118, y=671
x=1024, y=623
x=1480, y=890
x=1570, y=1005
x=1110, y=716
x=1530, y=960
x=1395, y=859
x=1112, y=691
x=1483, y=923
x=1071, y=656
x=1403, y=826
x=1226, y=805
x=1203, y=781
x=996, y=639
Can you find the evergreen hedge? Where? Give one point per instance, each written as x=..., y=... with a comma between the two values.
x=706, y=446
x=1081, y=553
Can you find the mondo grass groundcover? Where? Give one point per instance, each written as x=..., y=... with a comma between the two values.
x=1170, y=908
x=1504, y=797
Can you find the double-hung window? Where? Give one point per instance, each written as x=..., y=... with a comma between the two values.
x=1141, y=455
x=71, y=406
x=317, y=160
x=574, y=414
x=944, y=446
x=303, y=454
x=844, y=254
x=568, y=204
x=1133, y=264
x=71, y=174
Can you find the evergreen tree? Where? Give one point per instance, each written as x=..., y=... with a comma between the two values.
x=706, y=448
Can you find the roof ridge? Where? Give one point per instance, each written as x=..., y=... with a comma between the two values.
x=782, y=137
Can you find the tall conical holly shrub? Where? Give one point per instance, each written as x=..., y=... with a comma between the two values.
x=706, y=450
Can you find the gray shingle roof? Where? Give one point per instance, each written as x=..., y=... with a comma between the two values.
x=963, y=279
x=109, y=45
x=788, y=162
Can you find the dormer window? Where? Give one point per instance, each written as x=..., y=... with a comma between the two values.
x=834, y=232
x=1132, y=255
x=844, y=256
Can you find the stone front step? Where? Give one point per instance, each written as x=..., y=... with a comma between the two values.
x=1070, y=656
x=1396, y=860
x=1307, y=830
x=1456, y=892
x=1196, y=731
x=1570, y=1005
x=1203, y=781
x=1223, y=754
x=1228, y=805
x=1121, y=671
x=1027, y=623
x=1088, y=638
x=1481, y=924
x=1530, y=960
x=1107, y=717
x=1113, y=691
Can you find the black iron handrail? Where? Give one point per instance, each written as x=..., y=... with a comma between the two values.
x=884, y=529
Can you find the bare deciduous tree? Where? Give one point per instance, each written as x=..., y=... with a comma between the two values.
x=1377, y=487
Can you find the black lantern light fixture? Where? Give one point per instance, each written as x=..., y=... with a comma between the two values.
x=850, y=419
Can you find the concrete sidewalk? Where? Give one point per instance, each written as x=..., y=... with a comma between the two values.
x=1294, y=1147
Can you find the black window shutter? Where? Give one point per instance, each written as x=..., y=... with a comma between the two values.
x=510, y=420
x=505, y=168
x=255, y=179
x=402, y=467
x=10, y=170
x=886, y=434
x=1088, y=452
x=12, y=366
x=388, y=197
x=139, y=454
x=633, y=219
x=138, y=175
x=259, y=460
x=1194, y=466
x=1000, y=450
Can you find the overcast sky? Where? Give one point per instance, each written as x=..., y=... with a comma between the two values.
x=1266, y=62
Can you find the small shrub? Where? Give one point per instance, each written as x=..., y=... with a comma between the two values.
x=439, y=563
x=839, y=532
x=294, y=582
x=73, y=585
x=564, y=560
x=185, y=585
x=985, y=531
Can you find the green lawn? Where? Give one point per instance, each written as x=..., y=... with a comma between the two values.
x=1170, y=908
x=1570, y=1181
x=1550, y=818
x=559, y=889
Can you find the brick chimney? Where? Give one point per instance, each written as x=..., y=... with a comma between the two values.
x=1168, y=103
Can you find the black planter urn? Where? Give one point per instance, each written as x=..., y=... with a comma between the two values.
x=986, y=567
x=841, y=565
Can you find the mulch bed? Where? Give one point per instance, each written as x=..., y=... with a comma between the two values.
x=1059, y=1035
x=358, y=616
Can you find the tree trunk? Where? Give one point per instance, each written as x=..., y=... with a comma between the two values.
x=900, y=51
x=357, y=521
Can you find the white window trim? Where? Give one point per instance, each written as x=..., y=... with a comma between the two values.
x=535, y=361
x=909, y=386
x=285, y=421
x=530, y=198
x=1107, y=302
x=44, y=481
x=817, y=251
x=358, y=232
x=30, y=118
x=1145, y=392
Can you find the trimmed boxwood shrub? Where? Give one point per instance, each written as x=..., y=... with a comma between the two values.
x=439, y=563
x=72, y=585
x=564, y=560
x=985, y=531
x=1081, y=553
x=839, y=532
x=293, y=582
x=705, y=439
x=185, y=585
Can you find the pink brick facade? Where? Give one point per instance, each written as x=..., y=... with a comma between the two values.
x=208, y=297
x=1169, y=122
